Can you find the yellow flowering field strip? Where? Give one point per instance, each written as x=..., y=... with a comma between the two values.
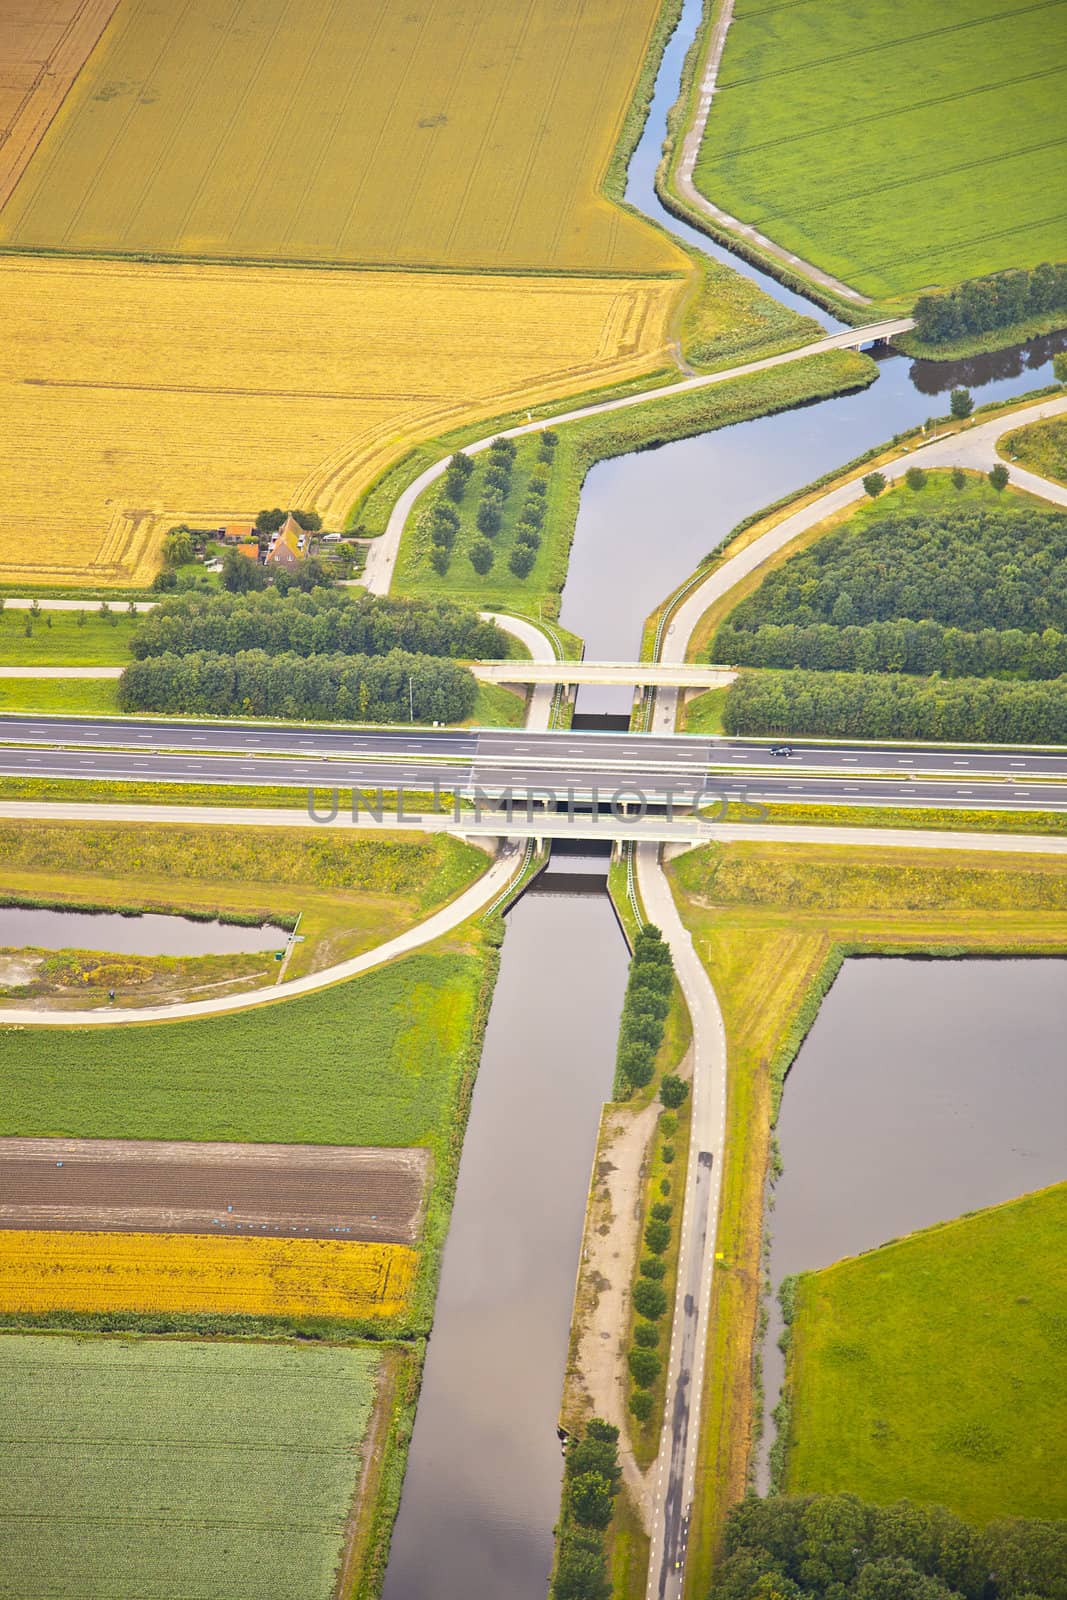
x=142, y=1272
x=142, y=396
x=472, y=134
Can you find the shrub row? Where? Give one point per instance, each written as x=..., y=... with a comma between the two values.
x=996, y=301
x=890, y=706
x=324, y=622
x=390, y=688
x=644, y=1010
x=898, y=646
x=591, y=1480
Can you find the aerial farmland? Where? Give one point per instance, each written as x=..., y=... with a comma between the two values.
x=533, y=800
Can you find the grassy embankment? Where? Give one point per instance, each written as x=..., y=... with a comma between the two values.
x=931, y=1369
x=1042, y=447
x=348, y=892
x=881, y=187
x=200, y=1425
x=581, y=445
x=772, y=924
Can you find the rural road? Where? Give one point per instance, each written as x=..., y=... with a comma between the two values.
x=687, y=160
x=673, y=1473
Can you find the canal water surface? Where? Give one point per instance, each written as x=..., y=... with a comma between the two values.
x=24, y=927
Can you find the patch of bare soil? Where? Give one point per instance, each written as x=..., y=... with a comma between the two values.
x=150, y=1186
x=597, y=1382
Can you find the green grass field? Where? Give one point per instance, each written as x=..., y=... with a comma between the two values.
x=896, y=147
x=932, y=1369
x=160, y=1468
x=375, y=1061
x=57, y=639
x=1042, y=447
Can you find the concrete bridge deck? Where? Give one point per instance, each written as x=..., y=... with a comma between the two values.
x=644, y=674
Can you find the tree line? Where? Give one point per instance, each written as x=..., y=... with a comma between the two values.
x=899, y=646
x=591, y=1479
x=996, y=301
x=889, y=706
x=324, y=622
x=964, y=566
x=396, y=687
x=836, y=1547
x=644, y=1009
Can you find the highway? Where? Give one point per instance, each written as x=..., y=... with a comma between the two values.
x=565, y=763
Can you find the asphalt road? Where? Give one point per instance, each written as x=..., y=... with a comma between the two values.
x=563, y=763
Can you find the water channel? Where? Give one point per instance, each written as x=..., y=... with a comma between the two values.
x=24, y=927
x=481, y=1495
x=924, y=1089
x=482, y=1488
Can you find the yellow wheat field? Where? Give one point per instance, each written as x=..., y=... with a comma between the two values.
x=52, y=1271
x=455, y=133
x=134, y=396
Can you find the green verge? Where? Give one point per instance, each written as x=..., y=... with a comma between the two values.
x=96, y=791
x=931, y=1369
x=939, y=820
x=599, y=438
x=772, y=923
x=261, y=1439
x=386, y=1059
x=1042, y=447
x=56, y=639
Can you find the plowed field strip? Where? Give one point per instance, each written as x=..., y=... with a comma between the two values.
x=288, y=1191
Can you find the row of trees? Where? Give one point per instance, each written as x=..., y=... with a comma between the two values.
x=644, y=1009
x=887, y=706
x=650, y=1297
x=967, y=566
x=323, y=622
x=996, y=301
x=912, y=647
x=397, y=687
x=592, y=1477
x=835, y=1547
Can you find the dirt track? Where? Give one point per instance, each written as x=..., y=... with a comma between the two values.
x=130, y=1186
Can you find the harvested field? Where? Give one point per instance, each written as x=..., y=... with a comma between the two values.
x=471, y=134
x=144, y=1272
x=43, y=46
x=143, y=396
x=284, y=1190
x=161, y=1468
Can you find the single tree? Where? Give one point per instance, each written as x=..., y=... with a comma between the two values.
x=961, y=403
x=645, y=1367
x=647, y=1334
x=874, y=483
x=649, y=1299
x=959, y=478
x=915, y=478
x=481, y=556
x=589, y=1497
x=998, y=476
x=522, y=559
x=641, y=1404
x=490, y=512
x=657, y=1235
x=672, y=1091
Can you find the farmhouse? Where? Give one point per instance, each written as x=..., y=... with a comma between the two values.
x=289, y=546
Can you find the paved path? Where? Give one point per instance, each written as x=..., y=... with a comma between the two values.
x=382, y=552
x=18, y=603
x=539, y=708
x=974, y=448
x=491, y=884
x=687, y=159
